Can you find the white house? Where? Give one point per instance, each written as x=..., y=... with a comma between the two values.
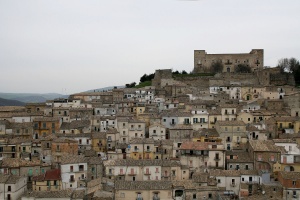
x=73, y=171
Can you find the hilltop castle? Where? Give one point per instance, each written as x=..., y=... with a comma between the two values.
x=204, y=61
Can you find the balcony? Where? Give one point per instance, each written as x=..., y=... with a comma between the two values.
x=251, y=182
x=121, y=174
x=260, y=159
x=217, y=158
x=147, y=173
x=109, y=140
x=272, y=160
x=232, y=184
x=132, y=174
x=172, y=123
x=135, y=150
x=148, y=150
x=156, y=198
x=82, y=178
x=139, y=198
x=72, y=180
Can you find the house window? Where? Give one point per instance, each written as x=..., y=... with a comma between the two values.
x=139, y=196
x=219, y=180
x=294, y=182
x=259, y=157
x=194, y=196
x=9, y=188
x=71, y=168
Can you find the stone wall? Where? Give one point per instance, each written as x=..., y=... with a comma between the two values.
x=203, y=61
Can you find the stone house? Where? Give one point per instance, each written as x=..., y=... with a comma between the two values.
x=232, y=133
x=290, y=161
x=202, y=156
x=181, y=133
x=49, y=181
x=228, y=179
x=144, y=170
x=76, y=127
x=236, y=160
x=157, y=131
x=46, y=126
x=73, y=171
x=21, y=167
x=291, y=183
x=99, y=141
x=141, y=148
x=60, y=147
x=264, y=154
x=140, y=190
x=12, y=186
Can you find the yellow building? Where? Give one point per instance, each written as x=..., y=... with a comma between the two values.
x=50, y=181
x=285, y=124
x=142, y=148
x=99, y=141
x=206, y=135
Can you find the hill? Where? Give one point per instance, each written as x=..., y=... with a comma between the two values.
x=8, y=102
x=105, y=88
x=31, y=97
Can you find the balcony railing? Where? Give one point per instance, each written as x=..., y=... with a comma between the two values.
x=81, y=178
x=132, y=174
x=121, y=174
x=72, y=180
x=217, y=158
x=135, y=150
x=272, y=159
x=147, y=173
x=232, y=184
x=251, y=182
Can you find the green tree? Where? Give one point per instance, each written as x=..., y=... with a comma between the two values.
x=242, y=68
x=183, y=72
x=130, y=85
x=217, y=67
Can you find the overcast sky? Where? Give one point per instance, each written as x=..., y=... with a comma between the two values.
x=71, y=46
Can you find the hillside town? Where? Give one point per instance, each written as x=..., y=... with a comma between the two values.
x=216, y=133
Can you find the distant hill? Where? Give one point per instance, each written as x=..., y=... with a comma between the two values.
x=31, y=97
x=8, y=102
x=105, y=88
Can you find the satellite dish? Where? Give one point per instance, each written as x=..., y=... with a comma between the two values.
x=263, y=192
